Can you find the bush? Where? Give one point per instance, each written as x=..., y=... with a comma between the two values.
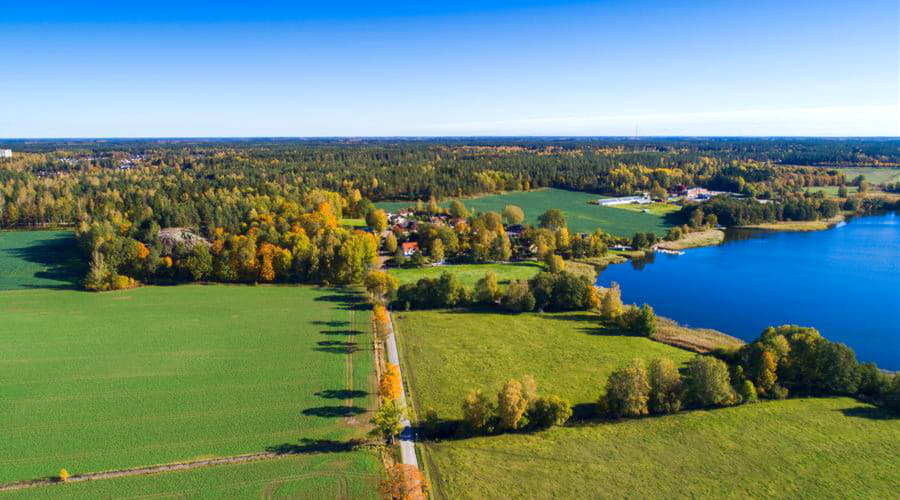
x=518, y=297
x=628, y=390
x=511, y=405
x=477, y=412
x=487, y=291
x=548, y=411
x=665, y=387
x=561, y=291
x=640, y=320
x=428, y=293
x=708, y=383
x=748, y=392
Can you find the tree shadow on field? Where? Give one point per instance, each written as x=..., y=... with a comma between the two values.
x=348, y=300
x=334, y=411
x=348, y=348
x=59, y=255
x=333, y=324
x=341, y=394
x=340, y=332
x=870, y=412
x=307, y=445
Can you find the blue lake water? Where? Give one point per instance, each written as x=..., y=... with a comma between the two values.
x=844, y=281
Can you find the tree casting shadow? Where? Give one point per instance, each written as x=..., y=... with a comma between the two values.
x=869, y=412
x=307, y=445
x=334, y=411
x=57, y=254
x=341, y=394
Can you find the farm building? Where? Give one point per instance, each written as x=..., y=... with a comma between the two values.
x=642, y=199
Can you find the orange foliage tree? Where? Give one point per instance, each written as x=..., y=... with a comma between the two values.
x=390, y=386
x=382, y=322
x=404, y=482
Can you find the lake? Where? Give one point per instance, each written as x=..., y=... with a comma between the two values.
x=844, y=281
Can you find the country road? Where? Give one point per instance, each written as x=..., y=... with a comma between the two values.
x=407, y=438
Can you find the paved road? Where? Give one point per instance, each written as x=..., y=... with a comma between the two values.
x=407, y=439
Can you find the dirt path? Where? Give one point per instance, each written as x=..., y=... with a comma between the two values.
x=268, y=455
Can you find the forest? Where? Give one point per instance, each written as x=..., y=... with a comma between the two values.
x=272, y=210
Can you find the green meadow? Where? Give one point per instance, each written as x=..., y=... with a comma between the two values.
x=795, y=448
x=580, y=214
x=328, y=475
x=94, y=382
x=469, y=274
x=873, y=175
x=43, y=259
x=447, y=353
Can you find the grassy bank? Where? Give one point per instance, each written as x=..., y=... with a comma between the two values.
x=798, y=226
x=710, y=237
x=792, y=448
x=693, y=339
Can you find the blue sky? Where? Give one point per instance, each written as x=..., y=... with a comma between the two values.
x=101, y=69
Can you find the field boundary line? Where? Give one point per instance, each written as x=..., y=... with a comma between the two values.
x=153, y=469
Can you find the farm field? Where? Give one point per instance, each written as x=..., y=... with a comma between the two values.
x=831, y=191
x=659, y=209
x=873, y=175
x=153, y=375
x=328, y=475
x=469, y=274
x=44, y=259
x=829, y=447
x=447, y=353
x=582, y=217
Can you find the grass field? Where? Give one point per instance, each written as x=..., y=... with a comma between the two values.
x=445, y=354
x=94, y=382
x=468, y=274
x=581, y=216
x=331, y=475
x=796, y=448
x=831, y=191
x=44, y=259
x=873, y=175
x=658, y=209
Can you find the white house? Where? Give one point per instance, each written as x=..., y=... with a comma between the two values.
x=5, y=153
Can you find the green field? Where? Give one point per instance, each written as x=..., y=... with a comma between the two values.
x=581, y=216
x=831, y=191
x=38, y=259
x=445, y=354
x=873, y=175
x=94, y=382
x=468, y=274
x=331, y=475
x=658, y=209
x=796, y=448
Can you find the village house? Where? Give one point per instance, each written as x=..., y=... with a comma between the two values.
x=409, y=248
